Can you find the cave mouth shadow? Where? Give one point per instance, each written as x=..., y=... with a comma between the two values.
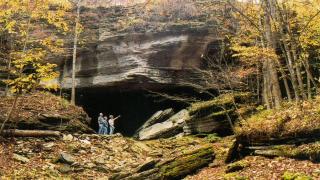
x=135, y=107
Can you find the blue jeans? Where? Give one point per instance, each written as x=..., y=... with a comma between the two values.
x=111, y=130
x=100, y=128
x=104, y=130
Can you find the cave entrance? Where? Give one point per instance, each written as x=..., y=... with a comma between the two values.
x=135, y=107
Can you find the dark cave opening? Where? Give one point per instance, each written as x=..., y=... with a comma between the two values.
x=135, y=106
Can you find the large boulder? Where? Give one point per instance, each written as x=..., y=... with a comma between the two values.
x=157, y=117
x=219, y=114
x=168, y=128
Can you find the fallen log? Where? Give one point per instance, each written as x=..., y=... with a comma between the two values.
x=30, y=133
x=296, y=137
x=174, y=168
x=309, y=151
x=187, y=163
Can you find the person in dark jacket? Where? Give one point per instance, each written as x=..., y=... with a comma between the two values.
x=100, y=123
x=105, y=128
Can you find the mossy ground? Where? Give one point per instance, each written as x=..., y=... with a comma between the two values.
x=290, y=121
x=295, y=176
x=232, y=104
x=257, y=167
x=236, y=166
x=218, y=102
x=186, y=164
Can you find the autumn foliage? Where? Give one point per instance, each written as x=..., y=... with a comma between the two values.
x=23, y=23
x=283, y=35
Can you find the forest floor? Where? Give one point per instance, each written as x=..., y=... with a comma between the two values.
x=287, y=140
x=290, y=133
x=99, y=157
x=256, y=167
x=85, y=156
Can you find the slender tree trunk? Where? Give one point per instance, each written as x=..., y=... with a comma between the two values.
x=285, y=81
x=258, y=85
x=10, y=113
x=298, y=65
x=74, y=58
x=281, y=18
x=300, y=81
x=8, y=78
x=266, y=85
x=309, y=87
x=309, y=74
x=293, y=50
x=20, y=74
x=291, y=70
x=9, y=68
x=274, y=80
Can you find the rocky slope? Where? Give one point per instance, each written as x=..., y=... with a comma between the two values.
x=44, y=111
x=100, y=157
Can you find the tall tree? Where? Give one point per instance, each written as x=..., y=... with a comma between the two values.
x=23, y=22
x=74, y=56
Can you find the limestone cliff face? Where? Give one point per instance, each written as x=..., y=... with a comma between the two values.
x=140, y=54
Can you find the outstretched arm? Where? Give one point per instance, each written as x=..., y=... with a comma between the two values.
x=117, y=117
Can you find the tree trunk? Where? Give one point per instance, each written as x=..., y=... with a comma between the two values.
x=309, y=87
x=300, y=81
x=10, y=113
x=20, y=74
x=74, y=57
x=307, y=68
x=285, y=81
x=8, y=77
x=266, y=86
x=280, y=16
x=274, y=80
x=286, y=85
x=295, y=58
x=258, y=89
x=291, y=70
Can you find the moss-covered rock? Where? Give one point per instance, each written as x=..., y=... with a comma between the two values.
x=213, y=138
x=177, y=167
x=213, y=105
x=236, y=166
x=295, y=176
x=215, y=115
x=186, y=163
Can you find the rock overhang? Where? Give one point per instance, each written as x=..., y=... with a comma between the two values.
x=157, y=52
